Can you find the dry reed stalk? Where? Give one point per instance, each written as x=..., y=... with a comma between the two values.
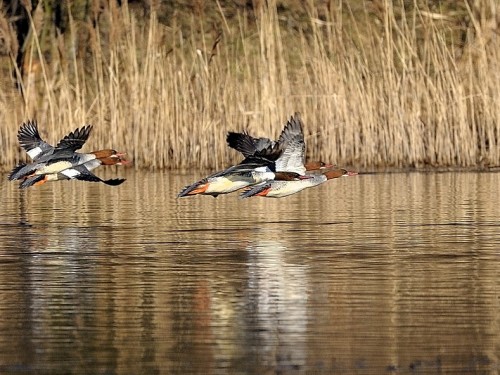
x=390, y=96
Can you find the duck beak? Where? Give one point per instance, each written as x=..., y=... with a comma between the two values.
x=120, y=154
x=351, y=173
x=124, y=162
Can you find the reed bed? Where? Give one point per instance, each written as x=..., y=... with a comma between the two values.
x=397, y=93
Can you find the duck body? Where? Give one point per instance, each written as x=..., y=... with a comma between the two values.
x=47, y=158
x=57, y=163
x=61, y=162
x=271, y=168
x=281, y=188
x=229, y=180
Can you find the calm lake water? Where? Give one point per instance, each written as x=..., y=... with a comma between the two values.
x=373, y=274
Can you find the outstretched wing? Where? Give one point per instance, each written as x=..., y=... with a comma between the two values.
x=75, y=140
x=293, y=147
x=29, y=139
x=292, y=128
x=248, y=166
x=242, y=170
x=246, y=144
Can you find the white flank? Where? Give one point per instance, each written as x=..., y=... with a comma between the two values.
x=93, y=164
x=285, y=188
x=225, y=185
x=55, y=167
x=262, y=176
x=51, y=177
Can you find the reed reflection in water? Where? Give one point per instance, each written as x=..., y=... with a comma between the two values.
x=386, y=273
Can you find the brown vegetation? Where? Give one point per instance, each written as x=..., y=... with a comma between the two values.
x=378, y=84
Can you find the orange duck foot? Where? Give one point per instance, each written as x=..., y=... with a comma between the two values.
x=41, y=182
x=199, y=190
x=264, y=192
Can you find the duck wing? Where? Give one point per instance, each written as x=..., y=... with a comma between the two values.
x=30, y=140
x=293, y=147
x=246, y=144
x=74, y=140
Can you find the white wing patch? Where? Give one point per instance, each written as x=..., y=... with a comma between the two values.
x=34, y=152
x=262, y=169
x=70, y=172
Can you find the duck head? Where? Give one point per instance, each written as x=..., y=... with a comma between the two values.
x=111, y=157
x=335, y=173
x=317, y=165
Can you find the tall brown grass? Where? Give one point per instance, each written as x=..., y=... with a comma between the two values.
x=399, y=92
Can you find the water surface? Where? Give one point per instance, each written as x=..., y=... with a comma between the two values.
x=373, y=274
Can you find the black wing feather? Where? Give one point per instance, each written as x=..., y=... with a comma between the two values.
x=75, y=140
x=246, y=144
x=86, y=175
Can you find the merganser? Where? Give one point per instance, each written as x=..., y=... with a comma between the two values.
x=280, y=188
x=264, y=159
x=260, y=164
x=58, y=163
x=61, y=162
x=80, y=172
x=248, y=145
x=231, y=179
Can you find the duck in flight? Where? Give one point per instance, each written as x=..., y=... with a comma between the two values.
x=248, y=145
x=278, y=188
x=61, y=162
x=264, y=160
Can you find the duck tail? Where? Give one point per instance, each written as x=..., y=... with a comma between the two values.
x=30, y=181
x=15, y=174
x=196, y=188
x=114, y=181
